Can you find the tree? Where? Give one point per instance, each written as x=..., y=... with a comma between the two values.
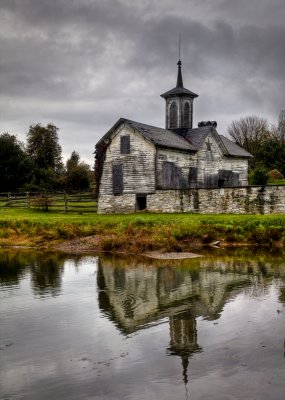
x=44, y=149
x=15, y=165
x=77, y=173
x=266, y=144
x=258, y=176
x=271, y=154
x=249, y=132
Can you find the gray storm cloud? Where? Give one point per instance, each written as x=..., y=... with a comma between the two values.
x=83, y=64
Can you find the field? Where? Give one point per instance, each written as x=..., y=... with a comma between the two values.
x=137, y=232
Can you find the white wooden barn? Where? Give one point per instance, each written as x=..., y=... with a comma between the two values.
x=134, y=160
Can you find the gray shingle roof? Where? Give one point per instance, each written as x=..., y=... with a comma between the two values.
x=179, y=91
x=184, y=139
x=234, y=149
x=197, y=136
x=162, y=137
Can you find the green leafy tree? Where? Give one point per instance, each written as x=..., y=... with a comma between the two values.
x=43, y=147
x=77, y=173
x=271, y=154
x=15, y=165
x=258, y=176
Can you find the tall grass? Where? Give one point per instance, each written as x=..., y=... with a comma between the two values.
x=141, y=232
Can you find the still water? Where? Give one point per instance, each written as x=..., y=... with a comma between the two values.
x=89, y=327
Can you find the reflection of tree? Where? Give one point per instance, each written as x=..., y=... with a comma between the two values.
x=44, y=268
x=281, y=297
x=46, y=273
x=13, y=265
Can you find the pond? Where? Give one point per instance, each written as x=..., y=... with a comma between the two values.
x=110, y=327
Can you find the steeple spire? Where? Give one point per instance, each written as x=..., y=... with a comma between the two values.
x=179, y=75
x=179, y=102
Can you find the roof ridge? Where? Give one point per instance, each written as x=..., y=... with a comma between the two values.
x=151, y=126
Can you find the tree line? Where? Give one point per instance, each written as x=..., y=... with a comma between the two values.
x=267, y=145
x=37, y=165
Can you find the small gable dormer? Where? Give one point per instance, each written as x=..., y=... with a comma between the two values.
x=179, y=105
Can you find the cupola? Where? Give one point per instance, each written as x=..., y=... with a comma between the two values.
x=179, y=104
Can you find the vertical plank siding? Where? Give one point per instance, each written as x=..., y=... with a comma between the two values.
x=134, y=165
x=138, y=166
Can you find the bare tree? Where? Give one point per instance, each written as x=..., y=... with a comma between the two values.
x=249, y=132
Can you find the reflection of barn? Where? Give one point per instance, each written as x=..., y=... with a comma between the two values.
x=183, y=338
x=138, y=295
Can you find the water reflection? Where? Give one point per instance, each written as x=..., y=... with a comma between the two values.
x=136, y=294
x=131, y=328
x=44, y=268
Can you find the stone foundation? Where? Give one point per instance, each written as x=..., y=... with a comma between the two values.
x=238, y=200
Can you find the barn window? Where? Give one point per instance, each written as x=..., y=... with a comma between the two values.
x=173, y=115
x=118, y=184
x=186, y=115
x=125, y=144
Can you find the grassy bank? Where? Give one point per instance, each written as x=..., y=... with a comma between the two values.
x=138, y=232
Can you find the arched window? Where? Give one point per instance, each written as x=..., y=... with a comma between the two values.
x=173, y=115
x=186, y=115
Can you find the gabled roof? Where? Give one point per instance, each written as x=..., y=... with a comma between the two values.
x=162, y=137
x=159, y=136
x=197, y=136
x=234, y=149
x=185, y=139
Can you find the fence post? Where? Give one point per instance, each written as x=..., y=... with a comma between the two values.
x=65, y=202
x=9, y=200
x=28, y=199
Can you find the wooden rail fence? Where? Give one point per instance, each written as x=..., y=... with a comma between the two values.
x=57, y=202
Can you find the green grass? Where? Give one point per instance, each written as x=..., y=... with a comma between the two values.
x=280, y=182
x=139, y=232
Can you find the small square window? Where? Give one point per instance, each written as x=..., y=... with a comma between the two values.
x=125, y=144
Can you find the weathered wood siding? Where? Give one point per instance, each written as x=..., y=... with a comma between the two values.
x=209, y=161
x=138, y=167
x=175, y=169
x=216, y=170
x=239, y=166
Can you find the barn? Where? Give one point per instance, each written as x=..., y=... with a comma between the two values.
x=135, y=160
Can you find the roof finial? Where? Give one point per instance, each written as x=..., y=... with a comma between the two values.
x=179, y=76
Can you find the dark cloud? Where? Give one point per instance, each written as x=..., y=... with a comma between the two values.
x=82, y=64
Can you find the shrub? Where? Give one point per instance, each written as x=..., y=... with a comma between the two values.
x=43, y=202
x=274, y=174
x=258, y=176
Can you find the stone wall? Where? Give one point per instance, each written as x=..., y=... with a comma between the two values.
x=123, y=204
x=239, y=200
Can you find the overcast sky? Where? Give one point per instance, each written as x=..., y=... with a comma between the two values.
x=82, y=64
